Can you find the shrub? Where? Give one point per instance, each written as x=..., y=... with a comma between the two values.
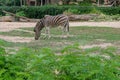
x=109, y=10
x=21, y=13
x=40, y=11
x=2, y=51
x=96, y=11
x=71, y=11
x=85, y=3
x=73, y=64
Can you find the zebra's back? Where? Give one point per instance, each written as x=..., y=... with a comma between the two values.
x=58, y=20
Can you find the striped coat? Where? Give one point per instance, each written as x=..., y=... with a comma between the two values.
x=49, y=22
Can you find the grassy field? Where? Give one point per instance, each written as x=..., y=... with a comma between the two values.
x=78, y=35
x=62, y=58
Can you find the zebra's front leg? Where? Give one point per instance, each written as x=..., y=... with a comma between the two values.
x=67, y=33
x=49, y=36
x=48, y=33
x=45, y=35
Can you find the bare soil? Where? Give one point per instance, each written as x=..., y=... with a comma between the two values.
x=16, y=39
x=103, y=45
x=9, y=26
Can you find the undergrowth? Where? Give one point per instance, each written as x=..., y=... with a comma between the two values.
x=72, y=64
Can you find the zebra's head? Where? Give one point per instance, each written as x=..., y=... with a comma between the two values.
x=37, y=29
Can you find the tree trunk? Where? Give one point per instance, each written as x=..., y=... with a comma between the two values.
x=45, y=2
x=41, y=2
x=14, y=3
x=24, y=2
x=21, y=2
x=36, y=3
x=98, y=2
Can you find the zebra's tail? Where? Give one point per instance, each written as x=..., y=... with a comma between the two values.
x=68, y=27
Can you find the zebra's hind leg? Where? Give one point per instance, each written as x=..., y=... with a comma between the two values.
x=63, y=33
x=67, y=34
x=66, y=31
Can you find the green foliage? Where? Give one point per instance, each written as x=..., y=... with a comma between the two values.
x=21, y=13
x=9, y=2
x=12, y=9
x=85, y=3
x=40, y=11
x=103, y=17
x=5, y=43
x=66, y=1
x=109, y=10
x=71, y=11
x=116, y=17
x=75, y=64
x=7, y=15
x=96, y=11
x=71, y=49
x=2, y=51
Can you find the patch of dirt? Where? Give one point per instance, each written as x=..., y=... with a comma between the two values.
x=9, y=26
x=16, y=39
x=97, y=24
x=11, y=50
x=103, y=45
x=60, y=43
x=25, y=31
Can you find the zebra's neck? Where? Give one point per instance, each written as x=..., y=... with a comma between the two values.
x=43, y=21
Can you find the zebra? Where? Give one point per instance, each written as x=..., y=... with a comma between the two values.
x=48, y=22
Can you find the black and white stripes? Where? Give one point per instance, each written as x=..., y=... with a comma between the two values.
x=49, y=22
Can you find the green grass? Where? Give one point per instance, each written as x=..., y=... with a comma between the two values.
x=82, y=35
x=85, y=33
x=17, y=33
x=9, y=44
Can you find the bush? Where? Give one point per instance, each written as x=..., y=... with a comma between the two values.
x=85, y=3
x=39, y=12
x=96, y=11
x=71, y=11
x=73, y=64
x=21, y=13
x=109, y=10
x=2, y=51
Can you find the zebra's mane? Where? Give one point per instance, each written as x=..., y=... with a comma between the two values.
x=42, y=23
